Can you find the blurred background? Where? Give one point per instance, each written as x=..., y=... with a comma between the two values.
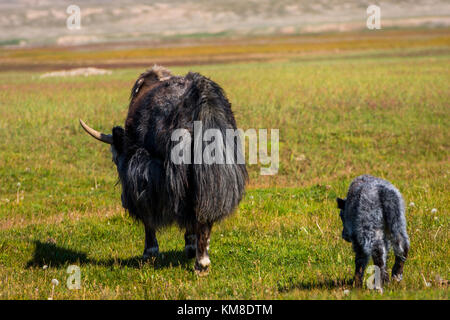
x=42, y=22
x=125, y=24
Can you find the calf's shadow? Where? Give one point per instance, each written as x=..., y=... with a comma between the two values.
x=321, y=284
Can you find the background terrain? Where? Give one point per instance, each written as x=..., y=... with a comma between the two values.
x=37, y=22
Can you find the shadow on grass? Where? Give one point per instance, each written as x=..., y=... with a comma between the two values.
x=47, y=253
x=323, y=284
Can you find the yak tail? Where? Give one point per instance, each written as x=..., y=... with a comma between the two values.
x=218, y=184
x=394, y=217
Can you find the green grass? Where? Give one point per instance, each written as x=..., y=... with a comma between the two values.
x=338, y=118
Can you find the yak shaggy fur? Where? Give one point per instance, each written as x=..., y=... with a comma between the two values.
x=154, y=189
x=373, y=216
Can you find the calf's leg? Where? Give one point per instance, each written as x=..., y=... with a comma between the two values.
x=361, y=259
x=401, y=248
x=379, y=256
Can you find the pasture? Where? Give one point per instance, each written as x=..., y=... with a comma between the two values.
x=385, y=112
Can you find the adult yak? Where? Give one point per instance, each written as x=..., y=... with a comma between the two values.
x=159, y=191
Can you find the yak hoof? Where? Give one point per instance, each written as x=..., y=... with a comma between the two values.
x=150, y=253
x=190, y=251
x=397, y=277
x=202, y=266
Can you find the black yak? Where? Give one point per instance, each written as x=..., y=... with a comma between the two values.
x=157, y=191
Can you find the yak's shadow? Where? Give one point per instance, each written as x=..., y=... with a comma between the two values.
x=47, y=253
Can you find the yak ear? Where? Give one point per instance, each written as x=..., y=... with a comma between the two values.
x=118, y=134
x=340, y=203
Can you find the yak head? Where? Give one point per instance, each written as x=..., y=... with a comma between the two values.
x=119, y=142
x=116, y=139
x=145, y=82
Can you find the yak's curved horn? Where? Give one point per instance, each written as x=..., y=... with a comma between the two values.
x=106, y=138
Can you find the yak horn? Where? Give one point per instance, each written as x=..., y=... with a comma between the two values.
x=106, y=138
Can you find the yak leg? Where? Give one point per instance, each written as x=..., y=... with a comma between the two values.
x=151, y=243
x=202, y=262
x=190, y=242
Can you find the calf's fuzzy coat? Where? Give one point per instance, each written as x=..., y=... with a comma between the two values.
x=373, y=216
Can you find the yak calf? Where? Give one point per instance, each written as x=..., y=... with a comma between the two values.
x=373, y=216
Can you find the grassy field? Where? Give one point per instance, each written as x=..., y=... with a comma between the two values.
x=382, y=112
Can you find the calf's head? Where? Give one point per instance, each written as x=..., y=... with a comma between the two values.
x=346, y=232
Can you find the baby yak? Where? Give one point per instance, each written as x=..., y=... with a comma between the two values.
x=373, y=216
